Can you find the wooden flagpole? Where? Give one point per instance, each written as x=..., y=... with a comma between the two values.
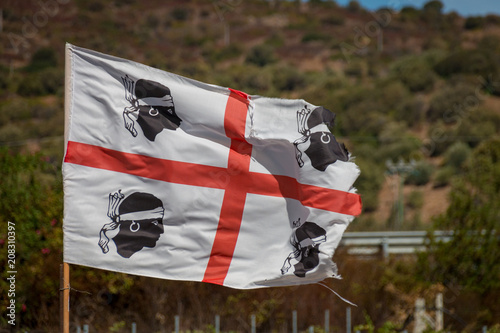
x=64, y=298
x=64, y=274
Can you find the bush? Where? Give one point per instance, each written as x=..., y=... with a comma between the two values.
x=353, y=6
x=369, y=183
x=474, y=22
x=315, y=36
x=474, y=132
x=217, y=54
x=261, y=56
x=42, y=59
x=12, y=133
x=456, y=155
x=334, y=20
x=251, y=79
x=415, y=73
x=478, y=62
x=46, y=82
x=411, y=111
x=415, y=200
x=453, y=103
x=409, y=13
x=396, y=143
x=421, y=174
x=358, y=68
x=444, y=176
x=287, y=78
x=31, y=85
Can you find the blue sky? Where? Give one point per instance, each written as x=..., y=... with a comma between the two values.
x=463, y=7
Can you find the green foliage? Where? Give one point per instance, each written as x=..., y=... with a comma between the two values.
x=415, y=199
x=474, y=22
x=453, y=102
x=409, y=13
x=415, y=73
x=396, y=143
x=315, y=36
x=432, y=14
x=454, y=158
x=369, y=183
x=42, y=59
x=433, y=6
x=444, y=176
x=45, y=82
x=31, y=194
x=369, y=109
x=354, y=6
x=261, y=56
x=117, y=327
x=217, y=54
x=456, y=155
x=257, y=80
x=421, y=174
x=410, y=111
x=477, y=62
x=471, y=259
x=357, y=68
x=287, y=78
x=333, y=19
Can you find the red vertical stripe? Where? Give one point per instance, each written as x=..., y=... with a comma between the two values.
x=235, y=195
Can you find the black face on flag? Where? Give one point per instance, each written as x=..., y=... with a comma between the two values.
x=152, y=106
x=136, y=222
x=305, y=240
x=316, y=141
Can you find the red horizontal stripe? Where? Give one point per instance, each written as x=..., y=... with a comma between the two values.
x=146, y=166
x=309, y=195
x=213, y=177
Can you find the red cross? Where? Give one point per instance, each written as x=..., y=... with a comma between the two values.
x=240, y=181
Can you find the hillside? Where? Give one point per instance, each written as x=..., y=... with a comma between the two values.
x=387, y=68
x=416, y=93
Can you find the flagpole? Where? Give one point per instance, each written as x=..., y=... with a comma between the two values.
x=64, y=298
x=64, y=269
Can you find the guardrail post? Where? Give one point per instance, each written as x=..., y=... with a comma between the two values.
x=217, y=323
x=419, y=316
x=254, y=324
x=134, y=328
x=439, y=313
x=177, y=323
x=385, y=248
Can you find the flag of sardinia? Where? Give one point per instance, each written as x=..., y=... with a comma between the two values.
x=172, y=178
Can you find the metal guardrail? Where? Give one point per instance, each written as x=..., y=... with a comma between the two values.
x=389, y=242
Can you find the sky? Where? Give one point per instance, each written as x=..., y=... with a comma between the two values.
x=463, y=7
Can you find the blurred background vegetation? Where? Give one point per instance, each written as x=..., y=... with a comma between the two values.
x=416, y=85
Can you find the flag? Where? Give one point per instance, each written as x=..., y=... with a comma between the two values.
x=172, y=178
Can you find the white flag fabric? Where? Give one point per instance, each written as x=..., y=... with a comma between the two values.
x=168, y=177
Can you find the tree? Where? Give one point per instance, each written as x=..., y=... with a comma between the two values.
x=31, y=193
x=471, y=259
x=432, y=13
